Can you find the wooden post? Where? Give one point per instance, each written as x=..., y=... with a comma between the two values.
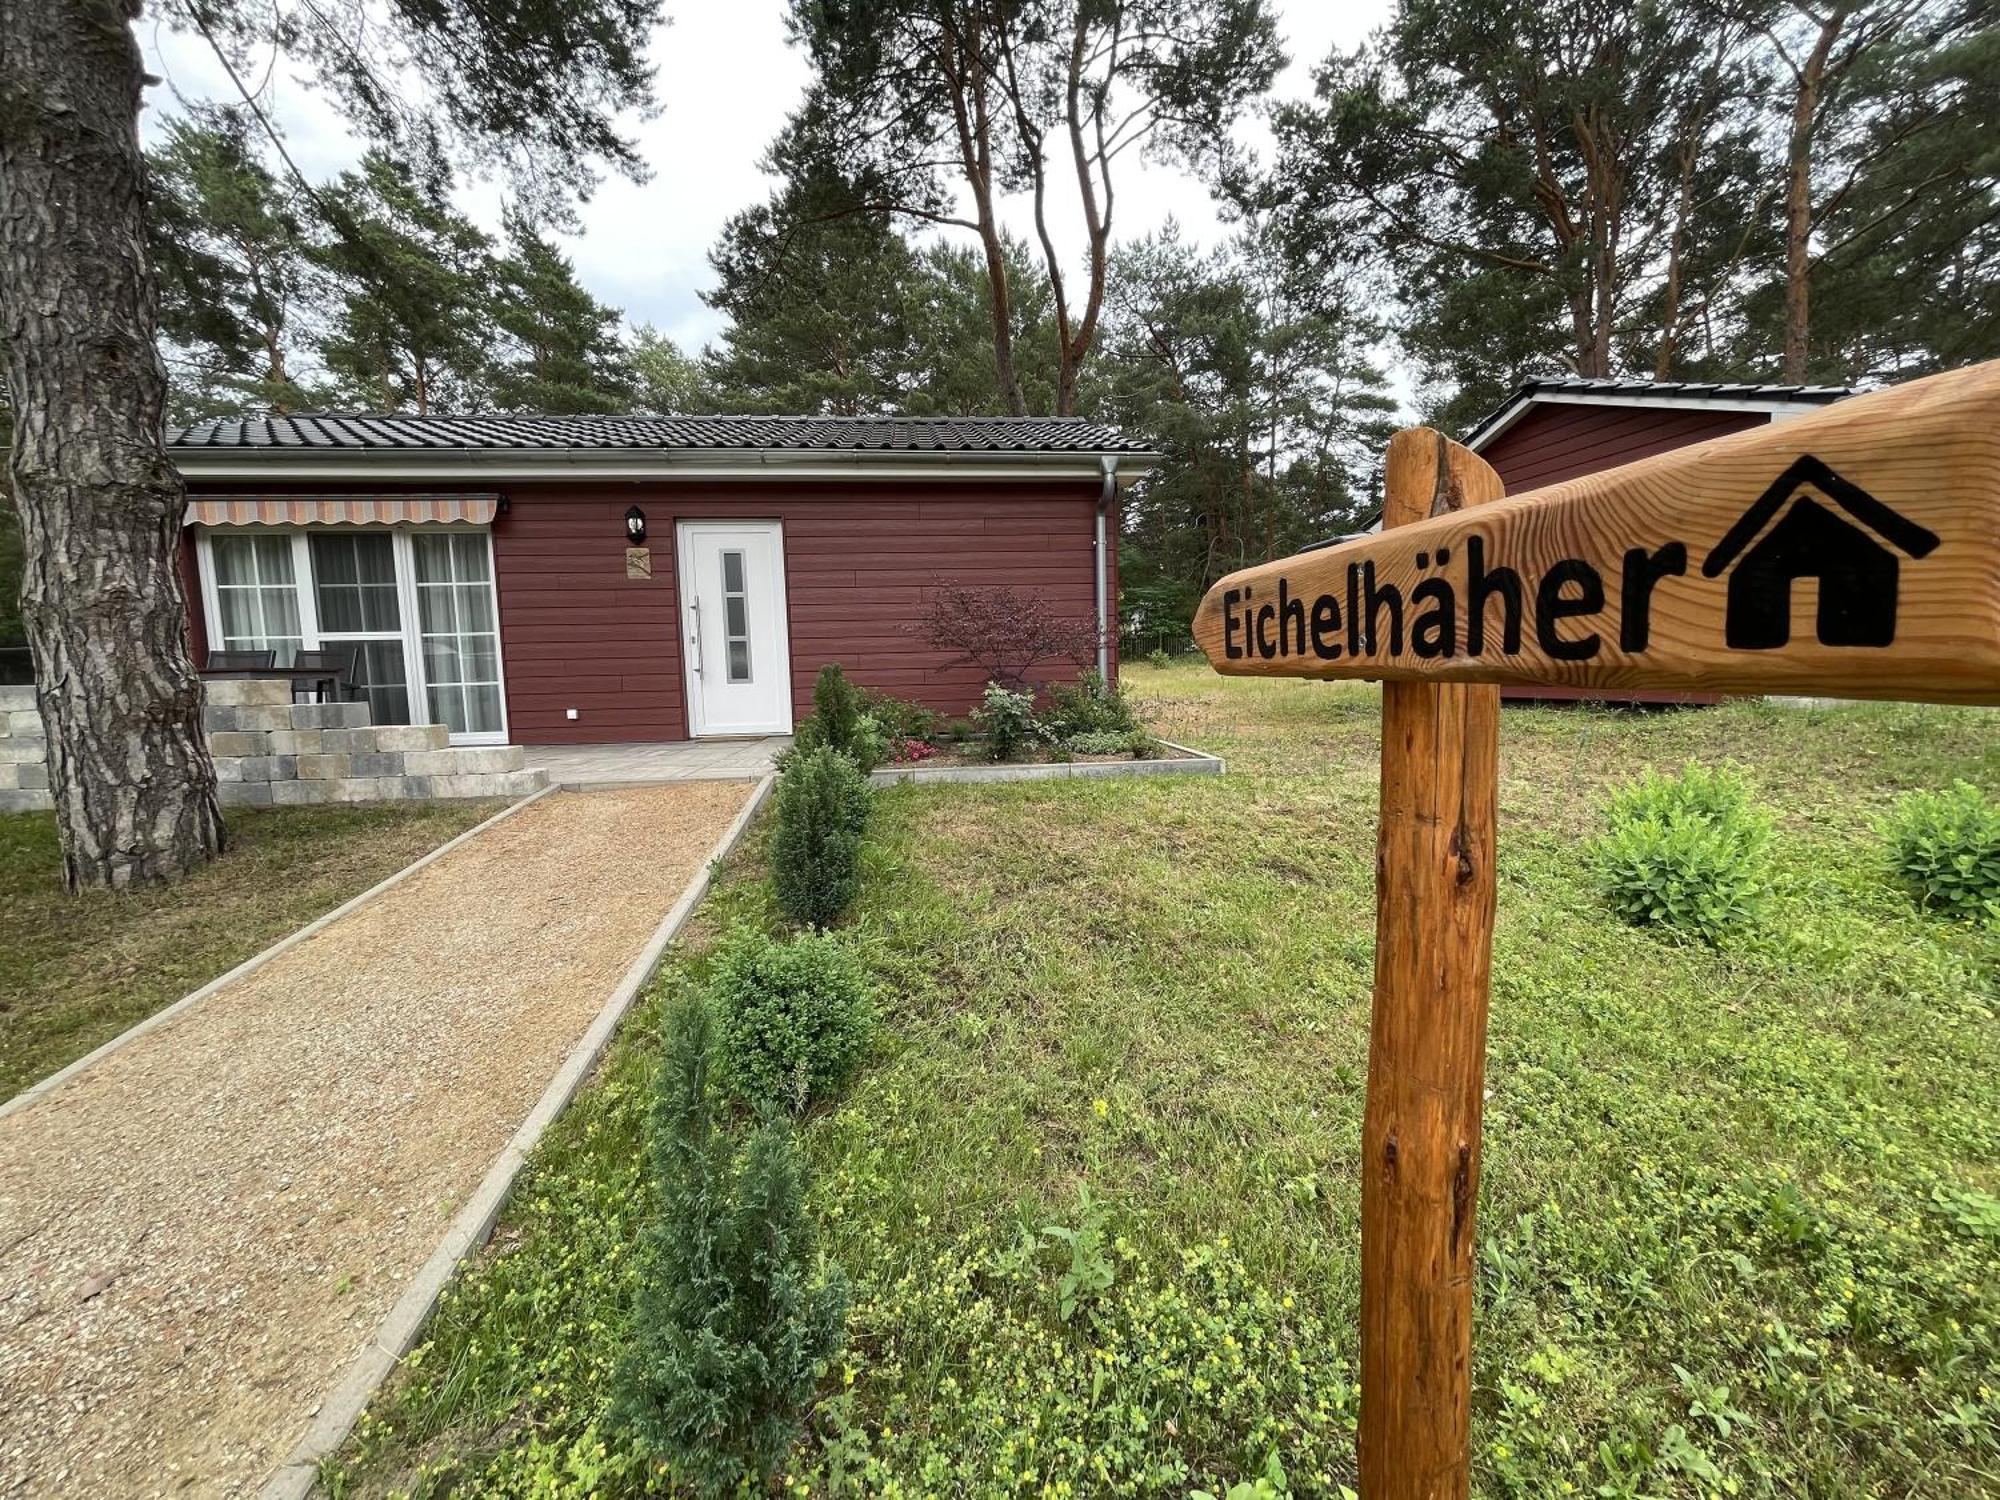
x=1434, y=882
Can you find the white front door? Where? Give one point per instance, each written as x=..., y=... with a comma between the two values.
x=733, y=640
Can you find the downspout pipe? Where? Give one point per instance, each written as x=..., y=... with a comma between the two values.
x=1104, y=497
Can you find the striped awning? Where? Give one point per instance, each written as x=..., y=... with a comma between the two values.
x=340, y=510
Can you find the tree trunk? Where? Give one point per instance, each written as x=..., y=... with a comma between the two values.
x=999, y=305
x=965, y=72
x=100, y=505
x=1798, y=200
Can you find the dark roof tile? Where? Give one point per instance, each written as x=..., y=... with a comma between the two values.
x=1691, y=391
x=332, y=431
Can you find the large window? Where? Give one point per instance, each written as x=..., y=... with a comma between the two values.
x=256, y=597
x=416, y=609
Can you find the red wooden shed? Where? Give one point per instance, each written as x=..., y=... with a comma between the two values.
x=1556, y=429
x=546, y=580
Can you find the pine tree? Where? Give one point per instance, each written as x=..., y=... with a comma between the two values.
x=934, y=113
x=232, y=249
x=561, y=351
x=1259, y=390
x=844, y=317
x=820, y=319
x=735, y=1318
x=416, y=282
x=1513, y=174
x=667, y=381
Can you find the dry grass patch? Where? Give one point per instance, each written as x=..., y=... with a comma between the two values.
x=77, y=970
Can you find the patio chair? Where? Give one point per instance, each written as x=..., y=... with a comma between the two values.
x=326, y=675
x=241, y=661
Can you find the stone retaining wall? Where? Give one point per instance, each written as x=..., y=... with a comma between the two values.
x=24, y=754
x=270, y=751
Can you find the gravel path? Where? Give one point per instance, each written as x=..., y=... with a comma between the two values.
x=197, y=1233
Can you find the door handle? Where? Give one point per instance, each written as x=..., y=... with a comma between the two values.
x=696, y=642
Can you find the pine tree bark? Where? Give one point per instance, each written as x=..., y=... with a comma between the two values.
x=101, y=506
x=1811, y=78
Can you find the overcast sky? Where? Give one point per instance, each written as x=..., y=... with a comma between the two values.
x=727, y=79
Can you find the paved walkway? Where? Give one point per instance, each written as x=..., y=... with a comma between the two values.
x=198, y=1232
x=639, y=765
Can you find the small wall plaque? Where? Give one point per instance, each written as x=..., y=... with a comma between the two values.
x=638, y=562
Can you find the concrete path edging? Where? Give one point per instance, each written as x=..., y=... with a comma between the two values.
x=256, y=961
x=298, y=1475
x=1188, y=762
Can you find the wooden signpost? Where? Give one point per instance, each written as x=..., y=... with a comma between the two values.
x=1854, y=552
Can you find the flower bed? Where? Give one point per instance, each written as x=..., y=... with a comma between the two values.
x=967, y=761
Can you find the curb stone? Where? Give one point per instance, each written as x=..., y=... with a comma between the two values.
x=297, y=1477
x=159, y=1018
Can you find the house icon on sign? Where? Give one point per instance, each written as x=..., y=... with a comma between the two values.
x=1852, y=557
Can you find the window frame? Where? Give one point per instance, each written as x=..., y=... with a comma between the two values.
x=305, y=589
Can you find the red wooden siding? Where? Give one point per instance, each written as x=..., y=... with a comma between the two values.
x=1554, y=442
x=859, y=563
x=191, y=589
x=860, y=560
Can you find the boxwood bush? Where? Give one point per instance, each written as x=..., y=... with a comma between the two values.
x=1686, y=852
x=795, y=1017
x=1945, y=847
x=822, y=808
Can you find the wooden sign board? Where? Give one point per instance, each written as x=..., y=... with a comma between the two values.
x=1853, y=552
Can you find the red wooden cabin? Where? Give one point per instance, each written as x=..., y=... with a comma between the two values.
x=542, y=580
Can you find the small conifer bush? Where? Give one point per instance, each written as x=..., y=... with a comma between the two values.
x=794, y=1017
x=735, y=1318
x=822, y=807
x=841, y=720
x=1686, y=852
x=1945, y=848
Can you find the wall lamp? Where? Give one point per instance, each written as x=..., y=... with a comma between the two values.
x=635, y=526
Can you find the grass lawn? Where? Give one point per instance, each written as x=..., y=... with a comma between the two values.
x=1740, y=1215
x=77, y=970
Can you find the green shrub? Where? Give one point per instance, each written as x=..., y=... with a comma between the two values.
x=733, y=1322
x=1095, y=744
x=1945, y=846
x=1086, y=706
x=837, y=705
x=1159, y=661
x=822, y=808
x=902, y=720
x=840, y=720
x=1136, y=743
x=1006, y=721
x=795, y=1017
x=1686, y=852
